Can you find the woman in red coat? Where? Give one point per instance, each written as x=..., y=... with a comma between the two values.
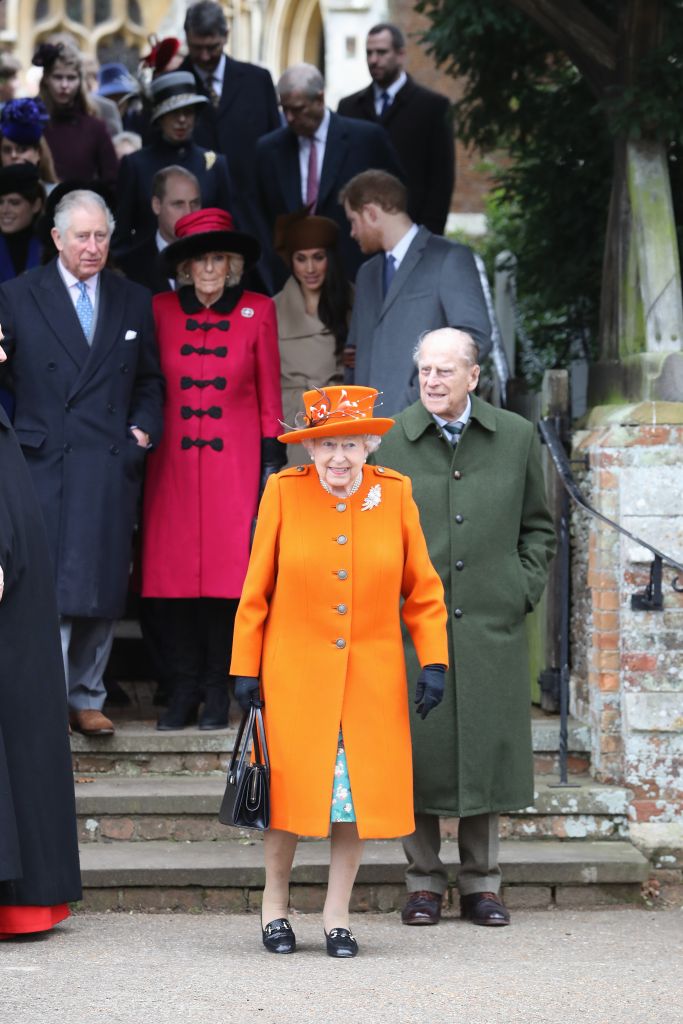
x=219, y=354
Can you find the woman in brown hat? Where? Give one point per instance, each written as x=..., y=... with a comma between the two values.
x=218, y=349
x=338, y=546
x=313, y=310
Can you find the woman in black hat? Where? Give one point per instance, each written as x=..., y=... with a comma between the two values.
x=219, y=355
x=21, y=201
x=175, y=101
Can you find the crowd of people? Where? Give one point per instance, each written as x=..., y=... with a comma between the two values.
x=207, y=284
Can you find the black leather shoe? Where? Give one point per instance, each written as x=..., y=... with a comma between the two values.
x=278, y=936
x=422, y=908
x=485, y=908
x=216, y=707
x=341, y=943
x=181, y=710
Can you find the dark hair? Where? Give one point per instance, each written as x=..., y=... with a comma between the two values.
x=334, y=304
x=397, y=38
x=378, y=187
x=206, y=18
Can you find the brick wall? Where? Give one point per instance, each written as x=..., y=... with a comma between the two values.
x=472, y=184
x=633, y=699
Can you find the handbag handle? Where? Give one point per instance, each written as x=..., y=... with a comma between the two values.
x=251, y=725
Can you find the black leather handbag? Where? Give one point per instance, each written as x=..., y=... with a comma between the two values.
x=246, y=802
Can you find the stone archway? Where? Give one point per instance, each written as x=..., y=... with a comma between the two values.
x=293, y=32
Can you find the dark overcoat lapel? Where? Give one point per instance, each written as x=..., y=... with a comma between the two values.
x=59, y=313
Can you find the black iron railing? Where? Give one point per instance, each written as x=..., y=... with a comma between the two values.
x=650, y=600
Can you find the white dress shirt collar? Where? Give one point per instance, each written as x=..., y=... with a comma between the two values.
x=161, y=242
x=72, y=283
x=462, y=418
x=402, y=246
x=391, y=90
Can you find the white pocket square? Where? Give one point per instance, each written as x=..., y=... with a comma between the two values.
x=130, y=335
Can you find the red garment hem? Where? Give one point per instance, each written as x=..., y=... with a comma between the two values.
x=24, y=920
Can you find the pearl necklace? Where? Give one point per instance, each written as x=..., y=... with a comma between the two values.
x=352, y=489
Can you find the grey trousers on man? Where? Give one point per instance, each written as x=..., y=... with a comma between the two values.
x=478, y=844
x=86, y=646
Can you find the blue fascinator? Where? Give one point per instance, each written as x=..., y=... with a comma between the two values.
x=23, y=121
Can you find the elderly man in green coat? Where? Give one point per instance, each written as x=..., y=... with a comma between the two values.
x=478, y=482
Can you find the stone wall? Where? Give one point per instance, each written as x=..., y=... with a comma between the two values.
x=633, y=700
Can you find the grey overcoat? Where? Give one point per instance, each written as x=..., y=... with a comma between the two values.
x=490, y=538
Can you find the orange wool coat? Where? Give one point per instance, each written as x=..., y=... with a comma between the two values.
x=319, y=622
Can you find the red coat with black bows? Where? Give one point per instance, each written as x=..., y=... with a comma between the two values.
x=222, y=370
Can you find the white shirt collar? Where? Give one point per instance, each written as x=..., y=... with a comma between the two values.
x=70, y=281
x=462, y=418
x=216, y=76
x=402, y=246
x=161, y=241
x=390, y=89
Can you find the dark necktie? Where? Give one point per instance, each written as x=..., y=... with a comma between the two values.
x=312, y=178
x=453, y=431
x=214, y=96
x=389, y=271
x=386, y=103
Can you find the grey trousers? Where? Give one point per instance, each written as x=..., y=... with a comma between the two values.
x=478, y=845
x=86, y=645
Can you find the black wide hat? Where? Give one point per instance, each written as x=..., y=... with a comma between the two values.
x=209, y=230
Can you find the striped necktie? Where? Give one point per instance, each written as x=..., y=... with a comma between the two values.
x=453, y=431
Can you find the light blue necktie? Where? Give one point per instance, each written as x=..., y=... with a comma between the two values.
x=84, y=310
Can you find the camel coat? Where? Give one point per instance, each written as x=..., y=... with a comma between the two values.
x=320, y=622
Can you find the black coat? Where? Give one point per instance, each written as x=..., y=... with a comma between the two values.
x=134, y=215
x=246, y=111
x=74, y=407
x=352, y=147
x=38, y=844
x=142, y=263
x=419, y=124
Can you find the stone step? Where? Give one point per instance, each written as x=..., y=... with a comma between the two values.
x=184, y=808
x=229, y=877
x=137, y=748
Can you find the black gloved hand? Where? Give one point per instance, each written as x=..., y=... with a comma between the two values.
x=273, y=458
x=429, y=688
x=246, y=691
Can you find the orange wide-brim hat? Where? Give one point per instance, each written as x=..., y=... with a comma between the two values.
x=337, y=411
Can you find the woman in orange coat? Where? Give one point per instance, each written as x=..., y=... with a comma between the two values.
x=337, y=546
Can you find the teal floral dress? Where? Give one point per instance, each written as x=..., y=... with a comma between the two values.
x=342, y=801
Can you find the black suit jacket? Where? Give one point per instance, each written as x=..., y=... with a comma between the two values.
x=75, y=404
x=419, y=124
x=142, y=264
x=351, y=147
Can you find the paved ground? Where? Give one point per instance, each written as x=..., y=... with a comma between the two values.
x=570, y=967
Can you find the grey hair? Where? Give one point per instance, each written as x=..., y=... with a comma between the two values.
x=471, y=355
x=206, y=18
x=74, y=200
x=371, y=442
x=305, y=78
x=131, y=137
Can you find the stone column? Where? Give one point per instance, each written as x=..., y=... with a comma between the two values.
x=633, y=700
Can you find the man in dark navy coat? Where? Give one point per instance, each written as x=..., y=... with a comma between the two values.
x=242, y=105
x=89, y=397
x=417, y=121
x=310, y=160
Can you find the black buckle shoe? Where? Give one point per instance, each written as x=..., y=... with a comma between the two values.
x=341, y=943
x=278, y=936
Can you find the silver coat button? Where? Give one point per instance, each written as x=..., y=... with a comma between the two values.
x=342, y=609
x=341, y=506
x=341, y=643
x=342, y=574
x=342, y=538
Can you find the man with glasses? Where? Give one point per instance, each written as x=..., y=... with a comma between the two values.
x=242, y=104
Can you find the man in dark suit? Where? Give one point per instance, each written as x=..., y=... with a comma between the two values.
x=89, y=396
x=416, y=282
x=417, y=121
x=175, y=192
x=242, y=104
x=308, y=162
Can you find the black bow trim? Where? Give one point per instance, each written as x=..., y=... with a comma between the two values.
x=194, y=325
x=190, y=382
x=198, y=442
x=214, y=411
x=188, y=350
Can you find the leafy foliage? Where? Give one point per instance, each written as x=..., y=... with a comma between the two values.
x=526, y=103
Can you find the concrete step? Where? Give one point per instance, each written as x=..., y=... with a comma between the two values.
x=229, y=877
x=184, y=808
x=137, y=748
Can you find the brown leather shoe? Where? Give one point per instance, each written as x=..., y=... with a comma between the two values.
x=91, y=723
x=422, y=907
x=485, y=908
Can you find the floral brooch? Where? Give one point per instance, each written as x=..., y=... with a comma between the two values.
x=374, y=497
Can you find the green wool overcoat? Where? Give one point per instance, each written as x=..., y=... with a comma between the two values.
x=490, y=536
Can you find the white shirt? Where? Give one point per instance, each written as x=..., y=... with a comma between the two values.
x=391, y=90
x=402, y=246
x=216, y=78
x=305, y=143
x=72, y=283
x=462, y=418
